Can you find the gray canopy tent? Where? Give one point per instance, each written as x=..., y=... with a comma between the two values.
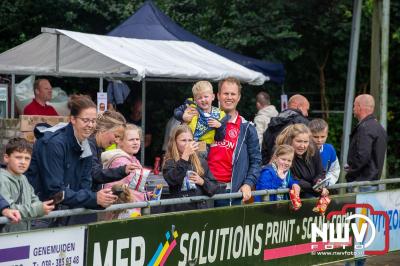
x=66, y=53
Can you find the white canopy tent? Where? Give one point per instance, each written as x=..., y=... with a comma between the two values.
x=58, y=52
x=68, y=53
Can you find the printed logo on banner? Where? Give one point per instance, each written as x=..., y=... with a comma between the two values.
x=137, y=246
x=163, y=251
x=337, y=235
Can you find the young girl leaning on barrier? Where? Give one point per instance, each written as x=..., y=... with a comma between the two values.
x=131, y=187
x=277, y=175
x=187, y=175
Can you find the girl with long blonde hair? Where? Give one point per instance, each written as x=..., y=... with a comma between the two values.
x=186, y=174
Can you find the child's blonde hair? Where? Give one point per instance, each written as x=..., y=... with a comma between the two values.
x=121, y=132
x=109, y=121
x=282, y=150
x=173, y=153
x=201, y=87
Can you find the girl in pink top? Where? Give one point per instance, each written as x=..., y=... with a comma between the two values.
x=128, y=144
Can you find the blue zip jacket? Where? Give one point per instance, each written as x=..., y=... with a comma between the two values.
x=3, y=204
x=59, y=163
x=269, y=179
x=247, y=157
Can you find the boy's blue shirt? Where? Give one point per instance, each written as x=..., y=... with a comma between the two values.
x=328, y=155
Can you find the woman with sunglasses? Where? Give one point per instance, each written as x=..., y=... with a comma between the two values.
x=61, y=163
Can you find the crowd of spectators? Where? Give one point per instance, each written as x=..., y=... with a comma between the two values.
x=91, y=161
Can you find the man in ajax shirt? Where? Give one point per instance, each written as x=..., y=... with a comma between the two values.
x=235, y=161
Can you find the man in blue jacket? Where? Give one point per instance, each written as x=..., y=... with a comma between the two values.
x=235, y=161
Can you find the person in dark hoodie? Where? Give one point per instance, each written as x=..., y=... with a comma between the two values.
x=62, y=159
x=103, y=137
x=297, y=112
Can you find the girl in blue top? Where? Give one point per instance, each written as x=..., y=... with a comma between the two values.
x=277, y=175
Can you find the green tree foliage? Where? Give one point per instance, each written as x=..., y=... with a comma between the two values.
x=21, y=20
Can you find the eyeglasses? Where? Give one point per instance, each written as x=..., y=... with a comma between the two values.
x=87, y=120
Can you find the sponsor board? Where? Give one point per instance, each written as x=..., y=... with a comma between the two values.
x=257, y=234
x=57, y=247
x=387, y=225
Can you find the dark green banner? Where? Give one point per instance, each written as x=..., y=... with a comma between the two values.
x=257, y=234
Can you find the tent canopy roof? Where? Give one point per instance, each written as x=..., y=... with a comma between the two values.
x=151, y=23
x=83, y=54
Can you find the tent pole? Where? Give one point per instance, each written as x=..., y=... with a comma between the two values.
x=101, y=88
x=12, y=96
x=350, y=85
x=58, y=54
x=142, y=142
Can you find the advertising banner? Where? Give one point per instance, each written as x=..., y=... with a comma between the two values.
x=56, y=247
x=257, y=234
x=101, y=102
x=386, y=227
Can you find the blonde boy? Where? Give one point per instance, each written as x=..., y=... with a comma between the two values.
x=206, y=121
x=15, y=188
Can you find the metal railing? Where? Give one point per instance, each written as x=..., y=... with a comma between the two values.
x=146, y=205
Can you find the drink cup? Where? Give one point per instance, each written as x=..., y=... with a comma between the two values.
x=190, y=184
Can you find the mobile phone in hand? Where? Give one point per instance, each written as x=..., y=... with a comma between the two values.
x=57, y=198
x=202, y=146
